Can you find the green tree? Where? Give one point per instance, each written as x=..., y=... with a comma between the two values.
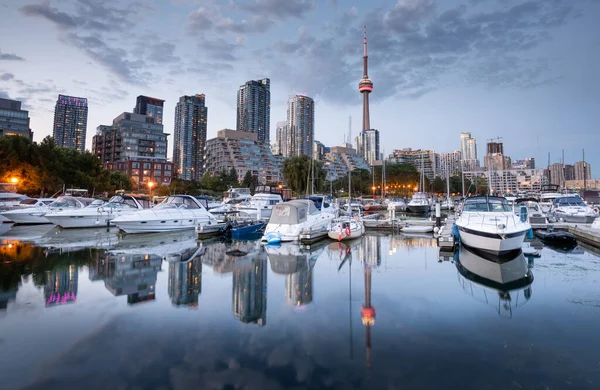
x=438, y=185
x=232, y=179
x=247, y=181
x=297, y=172
x=120, y=180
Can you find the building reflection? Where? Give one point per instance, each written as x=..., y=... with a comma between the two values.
x=185, y=277
x=249, y=301
x=61, y=286
x=299, y=287
x=369, y=262
x=369, y=250
x=133, y=275
x=223, y=257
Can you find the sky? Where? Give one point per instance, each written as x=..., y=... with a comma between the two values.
x=523, y=70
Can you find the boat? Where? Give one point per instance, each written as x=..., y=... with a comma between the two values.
x=548, y=193
x=417, y=228
x=176, y=212
x=447, y=204
x=9, y=197
x=371, y=205
x=570, y=208
x=97, y=215
x=261, y=204
x=534, y=210
x=290, y=218
x=239, y=229
x=419, y=203
x=70, y=203
x=346, y=228
x=30, y=211
x=489, y=224
x=396, y=205
x=484, y=277
x=556, y=237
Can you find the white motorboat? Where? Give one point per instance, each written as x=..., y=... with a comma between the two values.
x=70, y=203
x=29, y=211
x=289, y=219
x=417, y=228
x=96, y=215
x=489, y=224
x=9, y=199
x=533, y=208
x=483, y=277
x=346, y=228
x=261, y=204
x=419, y=203
x=447, y=204
x=396, y=205
x=231, y=198
x=571, y=208
x=176, y=212
x=548, y=193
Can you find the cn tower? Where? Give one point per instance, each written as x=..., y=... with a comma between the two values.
x=365, y=86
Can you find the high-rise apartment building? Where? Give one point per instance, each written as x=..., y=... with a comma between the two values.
x=569, y=172
x=468, y=149
x=242, y=151
x=583, y=170
x=300, y=126
x=557, y=174
x=189, y=137
x=281, y=139
x=448, y=164
x=70, y=122
x=13, y=120
x=150, y=106
x=367, y=145
x=136, y=145
x=254, y=108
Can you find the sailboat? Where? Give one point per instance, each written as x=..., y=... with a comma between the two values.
x=347, y=227
x=447, y=204
x=419, y=202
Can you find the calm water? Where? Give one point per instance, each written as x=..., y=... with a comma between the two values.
x=91, y=310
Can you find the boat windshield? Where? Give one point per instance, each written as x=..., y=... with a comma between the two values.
x=95, y=203
x=120, y=202
x=569, y=201
x=173, y=202
x=65, y=201
x=485, y=204
x=28, y=202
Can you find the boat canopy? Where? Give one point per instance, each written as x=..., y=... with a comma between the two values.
x=292, y=212
x=486, y=204
x=569, y=201
x=180, y=201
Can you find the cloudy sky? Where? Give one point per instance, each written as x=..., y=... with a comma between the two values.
x=524, y=70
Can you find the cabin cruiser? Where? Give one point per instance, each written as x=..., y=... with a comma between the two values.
x=534, y=210
x=571, y=208
x=29, y=211
x=549, y=192
x=489, y=224
x=396, y=205
x=419, y=203
x=289, y=219
x=231, y=198
x=70, y=203
x=371, y=205
x=261, y=204
x=510, y=280
x=96, y=215
x=176, y=212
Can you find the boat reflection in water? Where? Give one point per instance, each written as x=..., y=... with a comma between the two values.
x=485, y=277
x=297, y=264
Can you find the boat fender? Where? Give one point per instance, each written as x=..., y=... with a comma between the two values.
x=530, y=234
x=348, y=231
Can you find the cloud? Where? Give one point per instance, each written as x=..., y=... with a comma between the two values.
x=47, y=11
x=6, y=76
x=280, y=8
x=200, y=20
x=10, y=57
x=4, y=95
x=219, y=49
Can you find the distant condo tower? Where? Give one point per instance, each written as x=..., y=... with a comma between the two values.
x=190, y=137
x=254, y=108
x=149, y=106
x=367, y=142
x=70, y=122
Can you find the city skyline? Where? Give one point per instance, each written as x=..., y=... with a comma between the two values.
x=492, y=68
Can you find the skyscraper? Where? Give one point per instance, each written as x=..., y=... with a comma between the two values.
x=70, y=122
x=190, y=137
x=300, y=126
x=281, y=139
x=254, y=108
x=150, y=106
x=367, y=142
x=583, y=170
x=13, y=120
x=468, y=149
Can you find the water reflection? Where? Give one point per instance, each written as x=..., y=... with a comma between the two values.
x=249, y=302
x=61, y=286
x=498, y=282
x=185, y=277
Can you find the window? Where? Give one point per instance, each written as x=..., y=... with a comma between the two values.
x=147, y=166
x=135, y=165
x=157, y=166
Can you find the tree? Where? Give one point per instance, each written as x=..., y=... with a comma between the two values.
x=438, y=185
x=120, y=181
x=232, y=179
x=297, y=172
x=247, y=181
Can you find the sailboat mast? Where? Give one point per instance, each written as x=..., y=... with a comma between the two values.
x=447, y=184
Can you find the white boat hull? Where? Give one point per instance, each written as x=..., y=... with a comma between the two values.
x=81, y=221
x=417, y=229
x=22, y=218
x=163, y=225
x=357, y=230
x=492, y=243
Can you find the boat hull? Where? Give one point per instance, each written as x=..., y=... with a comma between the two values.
x=354, y=233
x=572, y=218
x=422, y=209
x=81, y=221
x=33, y=218
x=491, y=243
x=159, y=226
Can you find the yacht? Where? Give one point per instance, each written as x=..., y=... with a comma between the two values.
x=261, y=204
x=447, y=204
x=549, y=192
x=571, y=208
x=289, y=219
x=96, y=215
x=534, y=210
x=29, y=211
x=70, y=203
x=489, y=224
x=231, y=198
x=396, y=205
x=484, y=277
x=346, y=228
x=176, y=212
x=419, y=203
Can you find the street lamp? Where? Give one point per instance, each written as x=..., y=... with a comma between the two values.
x=14, y=180
x=373, y=188
x=150, y=185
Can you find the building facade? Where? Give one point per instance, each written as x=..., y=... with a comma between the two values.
x=300, y=126
x=135, y=145
x=280, y=146
x=341, y=159
x=13, y=120
x=557, y=174
x=468, y=149
x=528, y=163
x=583, y=170
x=448, y=164
x=423, y=160
x=190, y=137
x=150, y=106
x=254, y=108
x=70, y=122
x=367, y=145
x=242, y=151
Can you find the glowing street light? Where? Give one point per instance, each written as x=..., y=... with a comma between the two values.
x=14, y=180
